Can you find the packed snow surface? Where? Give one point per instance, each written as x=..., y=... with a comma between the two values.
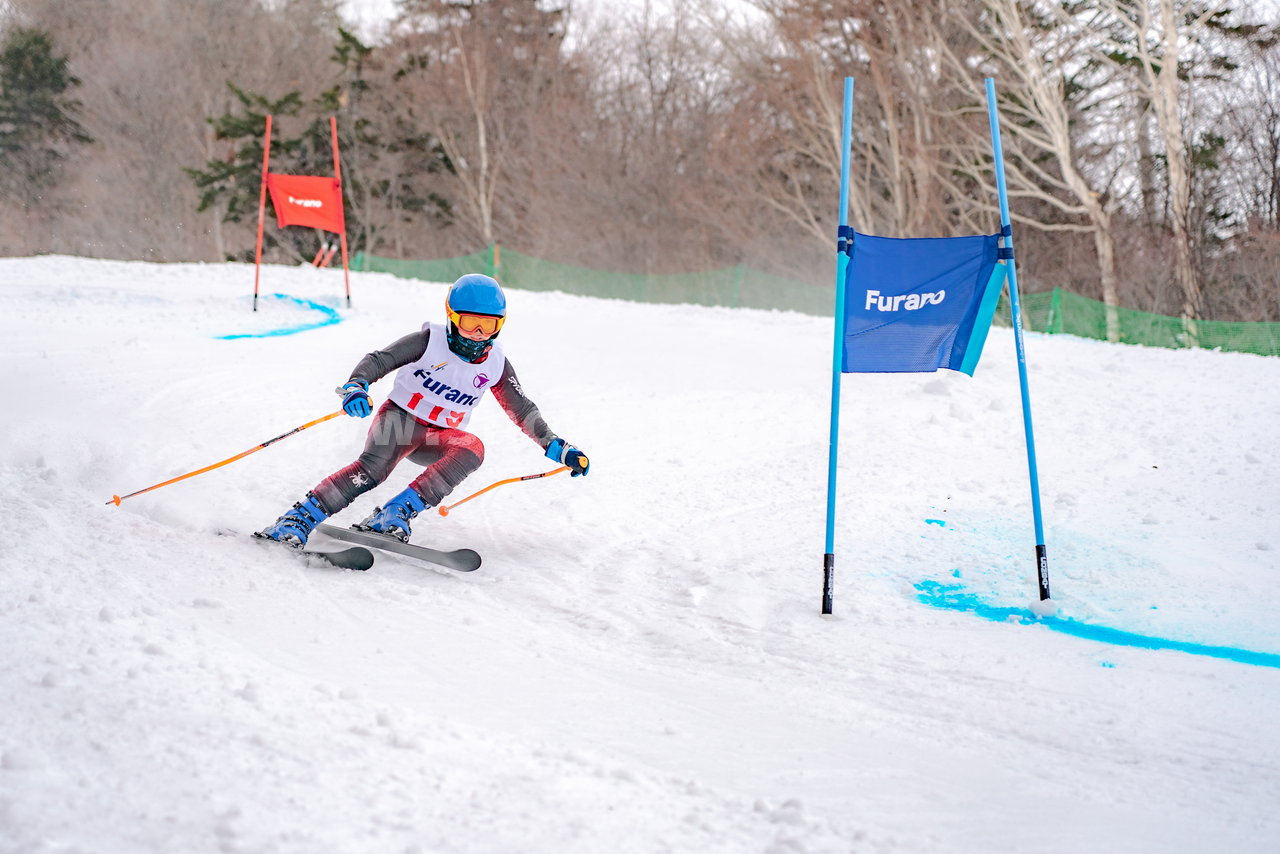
x=640, y=665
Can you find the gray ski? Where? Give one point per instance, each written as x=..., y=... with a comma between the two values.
x=352, y=557
x=460, y=560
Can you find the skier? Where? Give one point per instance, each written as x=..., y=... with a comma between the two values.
x=444, y=371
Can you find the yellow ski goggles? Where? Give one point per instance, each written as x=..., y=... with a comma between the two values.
x=469, y=324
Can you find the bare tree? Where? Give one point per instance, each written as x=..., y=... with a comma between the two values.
x=136, y=201
x=1254, y=120
x=905, y=112
x=666, y=102
x=1047, y=87
x=1241, y=273
x=1161, y=71
x=475, y=72
x=1158, y=36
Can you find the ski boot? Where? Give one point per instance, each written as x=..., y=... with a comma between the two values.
x=296, y=524
x=393, y=519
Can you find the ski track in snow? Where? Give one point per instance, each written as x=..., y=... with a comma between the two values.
x=639, y=665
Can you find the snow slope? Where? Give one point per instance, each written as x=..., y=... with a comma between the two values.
x=640, y=665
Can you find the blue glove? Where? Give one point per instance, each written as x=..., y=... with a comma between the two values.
x=568, y=455
x=355, y=398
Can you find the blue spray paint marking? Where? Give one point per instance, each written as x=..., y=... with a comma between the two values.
x=953, y=597
x=331, y=317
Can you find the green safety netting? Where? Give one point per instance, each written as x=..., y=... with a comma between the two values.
x=442, y=270
x=1055, y=311
x=1060, y=311
x=739, y=287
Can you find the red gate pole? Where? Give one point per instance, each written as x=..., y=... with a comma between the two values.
x=262, y=210
x=342, y=235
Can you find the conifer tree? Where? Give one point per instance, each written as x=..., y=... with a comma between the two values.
x=38, y=124
x=382, y=162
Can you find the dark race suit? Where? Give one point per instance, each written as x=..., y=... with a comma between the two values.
x=449, y=454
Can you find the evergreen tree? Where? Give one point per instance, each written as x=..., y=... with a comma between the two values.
x=382, y=161
x=38, y=126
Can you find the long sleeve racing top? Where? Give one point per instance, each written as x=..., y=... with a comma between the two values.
x=508, y=391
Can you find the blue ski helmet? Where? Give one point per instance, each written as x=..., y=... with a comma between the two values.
x=475, y=294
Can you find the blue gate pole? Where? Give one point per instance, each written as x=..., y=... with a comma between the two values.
x=844, y=249
x=1006, y=231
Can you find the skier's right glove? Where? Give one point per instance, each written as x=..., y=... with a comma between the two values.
x=568, y=455
x=355, y=398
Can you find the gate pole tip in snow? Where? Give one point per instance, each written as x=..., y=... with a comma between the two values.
x=342, y=235
x=843, y=244
x=1006, y=233
x=828, y=577
x=262, y=209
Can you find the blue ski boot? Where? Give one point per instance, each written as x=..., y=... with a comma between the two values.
x=393, y=519
x=296, y=524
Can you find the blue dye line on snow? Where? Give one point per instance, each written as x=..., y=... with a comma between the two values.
x=331, y=317
x=954, y=598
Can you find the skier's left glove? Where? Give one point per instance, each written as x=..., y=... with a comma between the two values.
x=568, y=455
x=355, y=398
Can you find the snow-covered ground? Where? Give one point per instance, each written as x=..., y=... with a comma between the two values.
x=639, y=666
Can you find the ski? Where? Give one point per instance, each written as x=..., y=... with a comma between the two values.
x=353, y=557
x=460, y=560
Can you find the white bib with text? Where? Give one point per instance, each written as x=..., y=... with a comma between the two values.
x=441, y=388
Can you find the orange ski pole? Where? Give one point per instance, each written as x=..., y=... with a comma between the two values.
x=116, y=499
x=444, y=509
